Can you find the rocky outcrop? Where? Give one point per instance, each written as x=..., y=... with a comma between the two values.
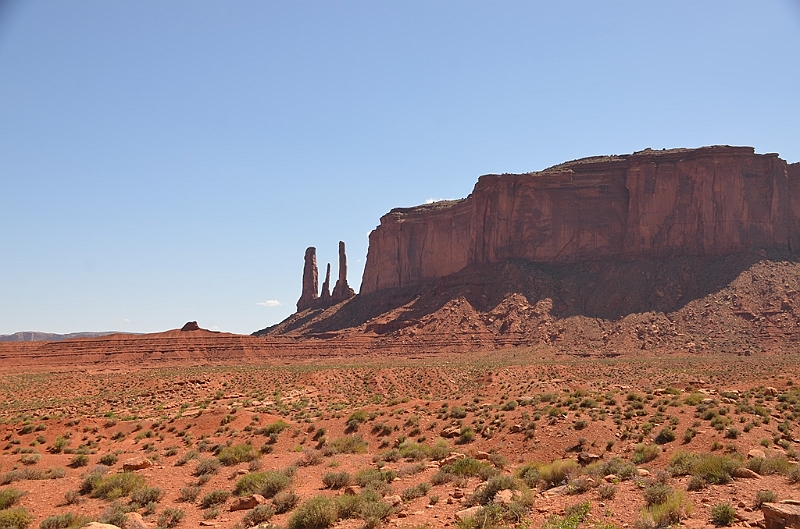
x=309, y=294
x=190, y=326
x=712, y=201
x=342, y=291
x=310, y=298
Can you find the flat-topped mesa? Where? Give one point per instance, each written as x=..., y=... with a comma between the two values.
x=342, y=291
x=309, y=296
x=710, y=201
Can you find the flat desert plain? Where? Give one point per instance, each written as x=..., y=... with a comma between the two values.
x=500, y=439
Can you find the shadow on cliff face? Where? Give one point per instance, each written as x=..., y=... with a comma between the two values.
x=597, y=289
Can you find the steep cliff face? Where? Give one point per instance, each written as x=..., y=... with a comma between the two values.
x=711, y=201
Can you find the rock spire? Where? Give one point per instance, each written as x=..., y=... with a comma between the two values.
x=342, y=290
x=309, y=295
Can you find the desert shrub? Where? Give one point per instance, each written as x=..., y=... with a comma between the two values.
x=64, y=521
x=419, y=451
x=716, y=469
x=170, y=517
x=764, y=466
x=78, y=461
x=793, y=476
x=310, y=459
x=573, y=516
x=206, y=467
x=645, y=453
x=558, y=472
x=108, y=460
x=285, y=501
x=348, y=506
x=318, y=512
x=233, y=455
x=336, y=480
x=350, y=444
x=579, y=485
x=656, y=493
x=146, y=495
x=665, y=435
x=113, y=486
x=189, y=494
x=355, y=419
x=273, y=429
x=466, y=436
x=268, y=483
x=617, y=466
x=15, y=518
x=723, y=514
x=374, y=513
x=30, y=459
x=669, y=512
x=115, y=514
x=529, y=474
x=185, y=458
x=31, y=474
x=468, y=467
x=417, y=491
x=370, y=477
x=484, y=494
x=260, y=514
x=9, y=496
x=607, y=491
x=764, y=496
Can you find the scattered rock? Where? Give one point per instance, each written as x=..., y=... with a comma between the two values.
x=745, y=473
x=482, y=455
x=772, y=392
x=452, y=431
x=136, y=463
x=642, y=472
x=756, y=452
x=557, y=491
x=352, y=490
x=781, y=515
x=394, y=500
x=503, y=497
x=611, y=478
x=458, y=493
x=585, y=458
x=452, y=458
x=133, y=520
x=469, y=513
x=98, y=525
x=248, y=502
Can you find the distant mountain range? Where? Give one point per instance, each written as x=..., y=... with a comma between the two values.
x=33, y=336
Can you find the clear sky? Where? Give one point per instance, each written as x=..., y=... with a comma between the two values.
x=165, y=161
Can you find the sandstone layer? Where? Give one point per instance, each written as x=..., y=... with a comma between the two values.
x=711, y=202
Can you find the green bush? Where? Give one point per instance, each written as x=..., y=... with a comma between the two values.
x=369, y=477
x=484, y=494
x=573, y=516
x=146, y=495
x=350, y=444
x=723, y=514
x=233, y=455
x=317, y=513
x=355, y=420
x=273, y=429
x=656, y=493
x=285, y=501
x=671, y=511
x=189, y=494
x=645, y=453
x=9, y=496
x=268, y=483
x=15, y=518
x=666, y=435
x=558, y=472
x=529, y=473
x=108, y=460
x=64, y=521
x=769, y=465
x=764, y=496
x=206, y=467
x=260, y=514
x=336, y=480
x=170, y=517
x=78, y=461
x=215, y=497
x=417, y=491
x=113, y=486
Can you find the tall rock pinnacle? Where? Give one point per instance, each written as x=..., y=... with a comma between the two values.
x=342, y=290
x=310, y=281
x=325, y=297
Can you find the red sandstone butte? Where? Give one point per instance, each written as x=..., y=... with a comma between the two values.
x=711, y=201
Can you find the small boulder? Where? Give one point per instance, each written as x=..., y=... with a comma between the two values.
x=98, y=525
x=642, y=472
x=503, y=497
x=482, y=455
x=248, y=502
x=756, y=452
x=585, y=458
x=452, y=458
x=136, y=463
x=469, y=513
x=557, y=491
x=351, y=490
x=745, y=473
x=781, y=515
x=394, y=500
x=453, y=431
x=133, y=520
x=611, y=478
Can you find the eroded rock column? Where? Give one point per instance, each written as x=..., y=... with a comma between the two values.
x=342, y=291
x=310, y=281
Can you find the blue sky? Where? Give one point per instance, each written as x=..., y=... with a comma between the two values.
x=165, y=161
